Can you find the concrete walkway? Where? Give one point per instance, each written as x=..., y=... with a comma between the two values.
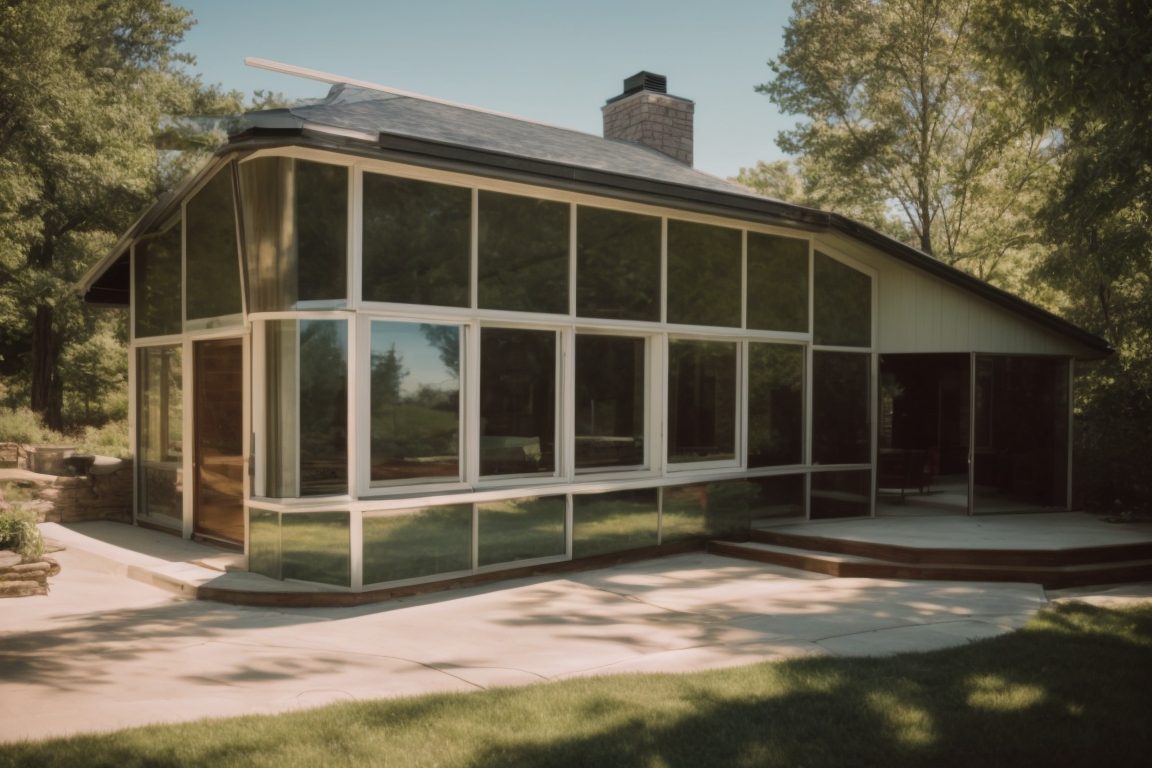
x=103, y=651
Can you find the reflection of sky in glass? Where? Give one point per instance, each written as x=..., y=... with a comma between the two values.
x=419, y=358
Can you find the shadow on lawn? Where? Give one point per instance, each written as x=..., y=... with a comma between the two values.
x=1057, y=692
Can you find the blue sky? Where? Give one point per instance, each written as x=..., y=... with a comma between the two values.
x=556, y=62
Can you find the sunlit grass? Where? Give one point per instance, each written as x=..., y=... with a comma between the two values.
x=1071, y=689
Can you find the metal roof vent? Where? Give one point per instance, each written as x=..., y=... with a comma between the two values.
x=645, y=81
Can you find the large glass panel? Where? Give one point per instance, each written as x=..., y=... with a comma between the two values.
x=706, y=509
x=523, y=253
x=777, y=283
x=213, y=270
x=517, y=401
x=414, y=397
x=315, y=546
x=842, y=304
x=410, y=543
x=841, y=494
x=617, y=265
x=264, y=542
x=610, y=389
x=840, y=408
x=1021, y=455
x=704, y=266
x=295, y=232
x=160, y=434
x=777, y=497
x=701, y=400
x=157, y=302
x=218, y=439
x=611, y=522
x=417, y=241
x=306, y=405
x=520, y=529
x=775, y=404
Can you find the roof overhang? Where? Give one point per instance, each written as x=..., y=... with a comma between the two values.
x=107, y=280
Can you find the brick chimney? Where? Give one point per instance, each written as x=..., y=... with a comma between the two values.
x=645, y=113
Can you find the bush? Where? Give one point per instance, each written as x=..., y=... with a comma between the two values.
x=19, y=533
x=108, y=440
x=22, y=425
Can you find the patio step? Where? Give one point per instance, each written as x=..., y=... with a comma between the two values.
x=965, y=568
x=903, y=553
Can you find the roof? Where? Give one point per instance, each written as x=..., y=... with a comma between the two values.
x=413, y=129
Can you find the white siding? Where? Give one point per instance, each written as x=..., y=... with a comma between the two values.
x=921, y=313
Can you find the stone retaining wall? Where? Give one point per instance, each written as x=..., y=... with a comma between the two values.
x=64, y=499
x=19, y=578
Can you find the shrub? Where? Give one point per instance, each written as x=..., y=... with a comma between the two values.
x=108, y=440
x=19, y=533
x=22, y=425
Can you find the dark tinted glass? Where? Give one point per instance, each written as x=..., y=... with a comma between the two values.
x=618, y=265
x=610, y=388
x=158, y=285
x=701, y=400
x=610, y=522
x=213, y=266
x=410, y=543
x=775, y=404
x=841, y=494
x=703, y=274
x=517, y=401
x=523, y=253
x=840, y=412
x=520, y=529
x=842, y=307
x=416, y=241
x=323, y=407
x=777, y=283
x=322, y=230
x=315, y=546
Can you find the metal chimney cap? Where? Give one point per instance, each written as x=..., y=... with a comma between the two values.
x=645, y=81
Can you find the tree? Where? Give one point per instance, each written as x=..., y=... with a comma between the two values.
x=84, y=86
x=1084, y=67
x=901, y=117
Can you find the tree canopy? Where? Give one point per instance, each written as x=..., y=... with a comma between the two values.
x=84, y=88
x=901, y=118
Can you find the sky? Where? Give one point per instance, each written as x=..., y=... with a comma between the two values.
x=554, y=61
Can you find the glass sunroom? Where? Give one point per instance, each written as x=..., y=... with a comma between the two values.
x=372, y=367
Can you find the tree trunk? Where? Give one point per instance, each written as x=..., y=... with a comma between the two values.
x=47, y=389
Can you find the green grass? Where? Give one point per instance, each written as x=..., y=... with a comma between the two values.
x=1072, y=689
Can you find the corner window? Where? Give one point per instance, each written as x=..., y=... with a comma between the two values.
x=611, y=384
x=701, y=401
x=517, y=402
x=414, y=401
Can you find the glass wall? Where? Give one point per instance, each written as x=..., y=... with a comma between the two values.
x=617, y=265
x=701, y=400
x=315, y=546
x=841, y=408
x=842, y=304
x=611, y=392
x=213, y=270
x=414, y=401
x=612, y=522
x=160, y=434
x=414, y=543
x=520, y=529
x=517, y=402
x=523, y=253
x=417, y=242
x=157, y=296
x=775, y=404
x=306, y=407
x=777, y=283
x=841, y=494
x=295, y=233
x=704, y=274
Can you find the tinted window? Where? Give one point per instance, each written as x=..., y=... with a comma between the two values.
x=703, y=274
x=618, y=265
x=523, y=253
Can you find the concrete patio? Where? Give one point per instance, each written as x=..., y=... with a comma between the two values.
x=103, y=651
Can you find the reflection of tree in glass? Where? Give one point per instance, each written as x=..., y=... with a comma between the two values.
x=324, y=407
x=446, y=340
x=387, y=373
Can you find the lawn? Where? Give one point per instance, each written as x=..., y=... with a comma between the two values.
x=1073, y=688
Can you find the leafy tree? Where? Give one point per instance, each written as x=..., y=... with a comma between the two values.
x=901, y=118
x=84, y=88
x=1085, y=68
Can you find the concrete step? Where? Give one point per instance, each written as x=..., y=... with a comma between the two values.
x=860, y=566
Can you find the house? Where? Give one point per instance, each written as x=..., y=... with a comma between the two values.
x=383, y=339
